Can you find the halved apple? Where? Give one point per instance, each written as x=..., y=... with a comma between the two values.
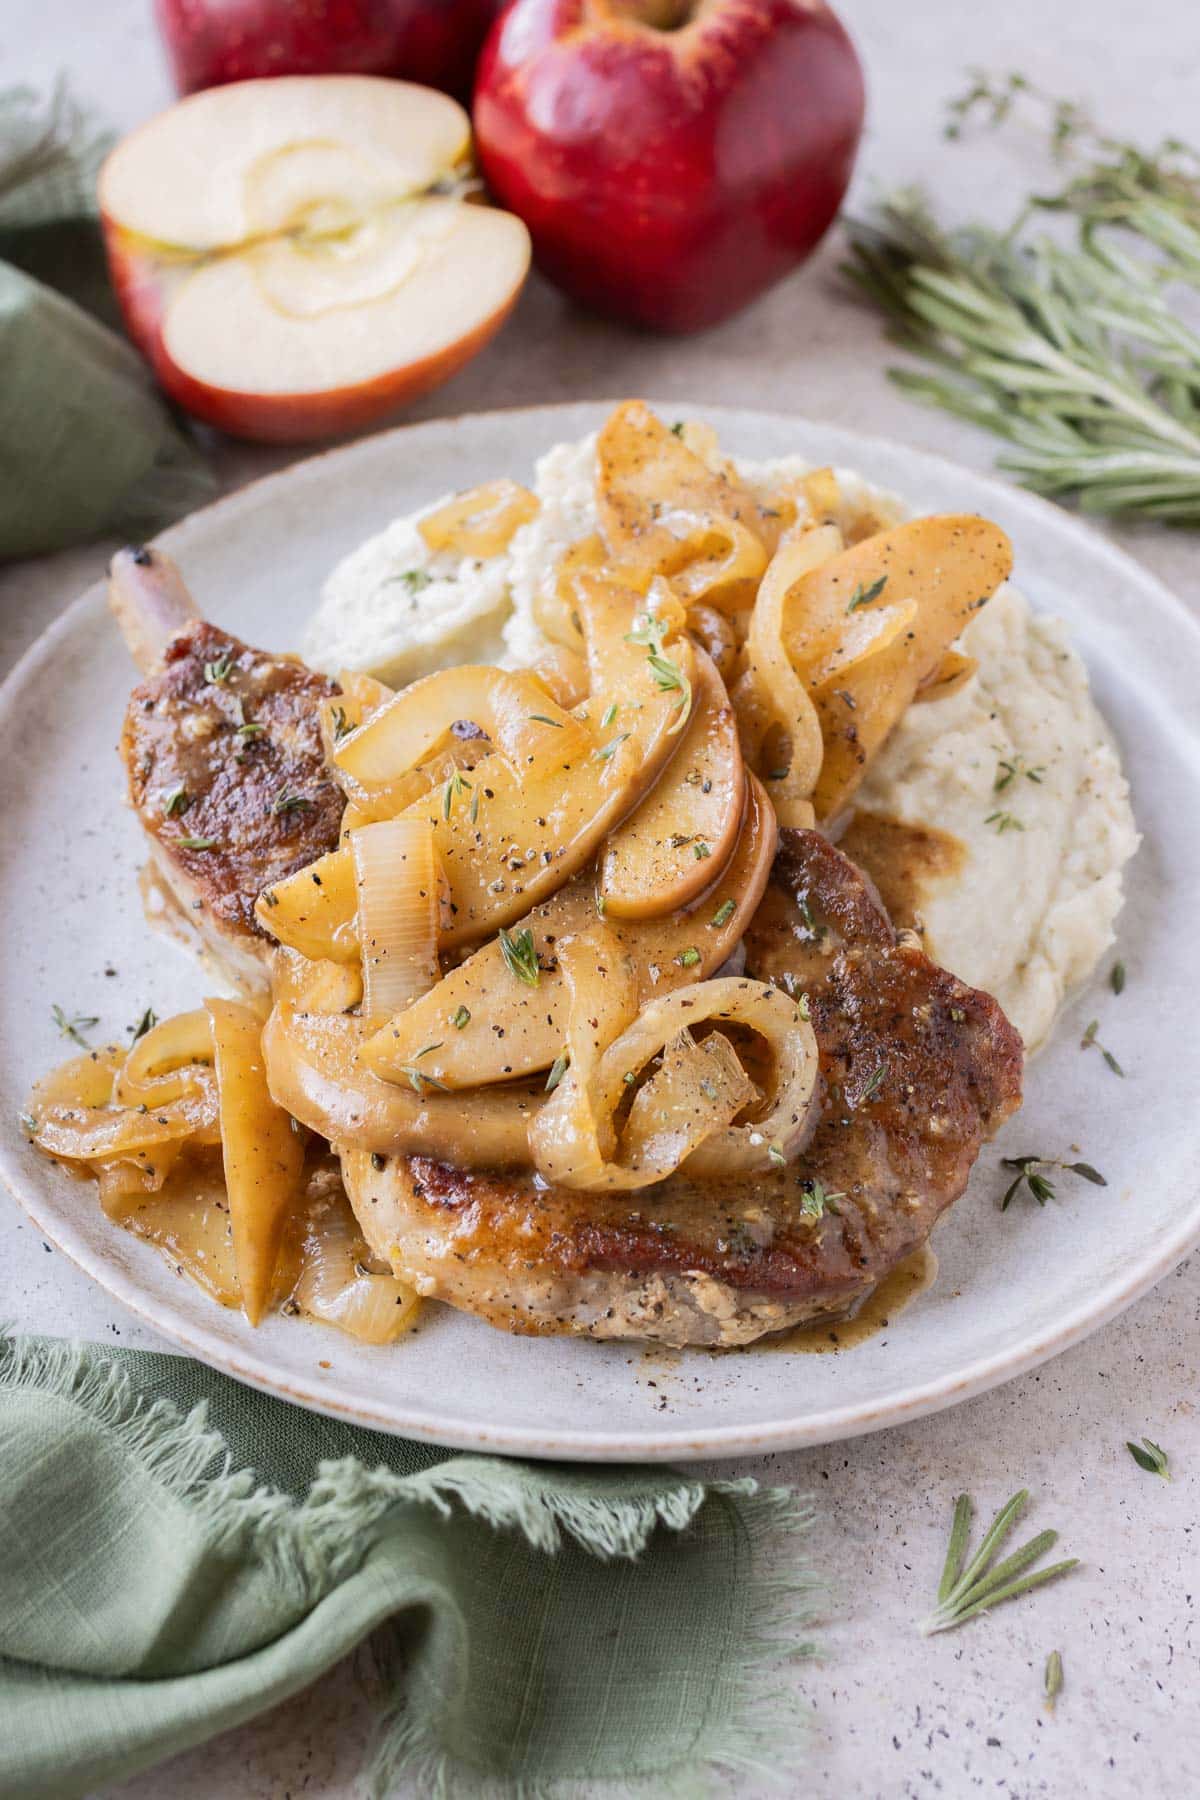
x=296, y=256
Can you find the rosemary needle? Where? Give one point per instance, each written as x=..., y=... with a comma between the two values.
x=966, y=1591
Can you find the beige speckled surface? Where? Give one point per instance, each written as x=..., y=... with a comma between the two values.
x=892, y=1716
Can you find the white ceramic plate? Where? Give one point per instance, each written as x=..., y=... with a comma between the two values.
x=1013, y=1288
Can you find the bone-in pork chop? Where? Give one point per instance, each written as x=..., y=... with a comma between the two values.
x=916, y=1071
x=222, y=748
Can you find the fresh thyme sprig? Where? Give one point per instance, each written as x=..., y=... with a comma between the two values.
x=1089, y=1038
x=74, y=1027
x=968, y=1588
x=1040, y=1186
x=1077, y=352
x=667, y=674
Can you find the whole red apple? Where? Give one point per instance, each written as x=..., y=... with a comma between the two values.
x=671, y=158
x=435, y=42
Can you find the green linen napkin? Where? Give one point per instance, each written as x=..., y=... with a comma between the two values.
x=87, y=444
x=543, y=1623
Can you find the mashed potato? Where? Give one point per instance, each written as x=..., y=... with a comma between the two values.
x=1020, y=768
x=1018, y=765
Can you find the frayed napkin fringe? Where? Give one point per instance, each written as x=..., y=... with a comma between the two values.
x=314, y=1543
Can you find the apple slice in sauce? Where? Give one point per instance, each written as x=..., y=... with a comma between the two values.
x=484, y=1023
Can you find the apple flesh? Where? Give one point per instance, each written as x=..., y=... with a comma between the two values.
x=292, y=255
x=434, y=42
x=671, y=158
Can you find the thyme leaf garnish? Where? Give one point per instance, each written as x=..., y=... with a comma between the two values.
x=197, y=843
x=341, y=725
x=1009, y=768
x=610, y=713
x=519, y=955
x=667, y=674
x=775, y=1152
x=874, y=1084
x=816, y=1201
x=687, y=959
x=289, y=803
x=418, y=1080
x=544, y=719
x=724, y=912
x=970, y=1587
x=460, y=1018
x=415, y=580
x=219, y=670
x=147, y=1022
x=1004, y=821
x=862, y=596
x=1151, y=1457
x=1089, y=1038
x=611, y=748
x=177, y=801
x=558, y=1069
x=456, y=785
x=1029, y=1173
x=74, y=1027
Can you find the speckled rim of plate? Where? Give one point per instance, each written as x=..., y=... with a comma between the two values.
x=665, y=1442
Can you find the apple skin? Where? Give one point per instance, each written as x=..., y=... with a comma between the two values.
x=143, y=277
x=434, y=42
x=668, y=176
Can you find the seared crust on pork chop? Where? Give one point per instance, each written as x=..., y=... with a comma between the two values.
x=223, y=752
x=917, y=1070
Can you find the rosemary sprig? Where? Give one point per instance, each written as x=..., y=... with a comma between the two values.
x=1077, y=352
x=1150, y=1456
x=974, y=1586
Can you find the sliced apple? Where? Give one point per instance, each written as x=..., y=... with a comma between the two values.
x=263, y=1151
x=294, y=255
x=675, y=843
x=512, y=841
x=951, y=565
x=482, y=1023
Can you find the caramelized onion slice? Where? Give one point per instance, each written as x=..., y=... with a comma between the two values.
x=315, y=911
x=480, y=522
x=574, y=1136
x=336, y=1284
x=781, y=733
x=399, y=905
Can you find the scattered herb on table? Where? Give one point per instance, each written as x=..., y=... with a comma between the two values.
x=1116, y=979
x=1089, y=1038
x=75, y=1026
x=1040, y=1186
x=147, y=1022
x=970, y=1587
x=1053, y=1679
x=1150, y=1456
x=1076, y=347
x=1004, y=821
